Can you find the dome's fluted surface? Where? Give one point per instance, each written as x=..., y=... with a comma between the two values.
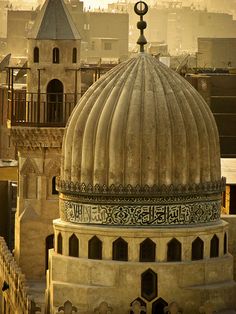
x=141, y=124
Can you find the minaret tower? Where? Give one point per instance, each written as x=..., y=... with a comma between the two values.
x=37, y=127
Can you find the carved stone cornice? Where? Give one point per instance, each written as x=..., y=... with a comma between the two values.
x=37, y=137
x=77, y=188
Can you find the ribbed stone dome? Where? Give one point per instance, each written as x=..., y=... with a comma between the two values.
x=141, y=148
x=143, y=124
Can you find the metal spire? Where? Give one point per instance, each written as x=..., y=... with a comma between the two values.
x=141, y=9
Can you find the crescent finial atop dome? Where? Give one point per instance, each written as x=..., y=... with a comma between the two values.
x=141, y=25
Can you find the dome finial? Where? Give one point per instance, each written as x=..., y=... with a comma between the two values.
x=141, y=9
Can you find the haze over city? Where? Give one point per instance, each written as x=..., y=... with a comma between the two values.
x=223, y=5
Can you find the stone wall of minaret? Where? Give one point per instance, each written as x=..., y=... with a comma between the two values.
x=63, y=71
x=37, y=204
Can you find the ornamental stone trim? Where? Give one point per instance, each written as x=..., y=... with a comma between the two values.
x=160, y=214
x=69, y=187
x=37, y=137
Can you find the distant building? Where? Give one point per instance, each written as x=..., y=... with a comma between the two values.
x=177, y=25
x=216, y=52
x=218, y=90
x=18, y=25
x=104, y=35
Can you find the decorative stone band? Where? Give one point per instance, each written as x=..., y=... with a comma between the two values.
x=138, y=211
x=69, y=187
x=37, y=137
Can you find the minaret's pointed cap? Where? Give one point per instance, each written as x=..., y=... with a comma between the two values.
x=54, y=22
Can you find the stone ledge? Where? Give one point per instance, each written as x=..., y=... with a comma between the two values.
x=35, y=137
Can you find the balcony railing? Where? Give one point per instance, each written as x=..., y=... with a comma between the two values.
x=42, y=110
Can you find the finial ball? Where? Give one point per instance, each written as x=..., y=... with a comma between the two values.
x=141, y=24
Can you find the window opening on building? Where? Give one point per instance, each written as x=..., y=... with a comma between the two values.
x=59, y=243
x=107, y=46
x=214, y=247
x=225, y=243
x=158, y=306
x=36, y=55
x=55, y=55
x=54, y=191
x=149, y=285
x=74, y=55
x=197, y=249
x=49, y=245
x=147, y=251
x=120, y=250
x=54, y=108
x=95, y=248
x=73, y=246
x=174, y=251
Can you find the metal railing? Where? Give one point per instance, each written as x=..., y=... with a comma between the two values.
x=33, y=109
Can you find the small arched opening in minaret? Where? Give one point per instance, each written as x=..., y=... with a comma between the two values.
x=49, y=244
x=59, y=243
x=36, y=55
x=120, y=250
x=147, y=251
x=214, y=250
x=54, y=190
x=197, y=249
x=158, y=306
x=55, y=101
x=174, y=251
x=55, y=55
x=95, y=248
x=74, y=55
x=73, y=246
x=225, y=243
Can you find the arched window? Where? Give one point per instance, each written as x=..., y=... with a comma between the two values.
x=225, y=243
x=120, y=250
x=59, y=243
x=55, y=55
x=36, y=55
x=197, y=249
x=147, y=251
x=214, y=246
x=74, y=55
x=54, y=191
x=149, y=285
x=158, y=306
x=95, y=248
x=174, y=251
x=73, y=246
x=48, y=245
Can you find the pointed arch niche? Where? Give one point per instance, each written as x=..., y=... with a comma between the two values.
x=30, y=172
x=52, y=170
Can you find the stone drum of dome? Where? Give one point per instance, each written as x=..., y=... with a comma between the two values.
x=141, y=148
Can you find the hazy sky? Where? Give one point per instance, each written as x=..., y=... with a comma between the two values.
x=96, y=3
x=103, y=3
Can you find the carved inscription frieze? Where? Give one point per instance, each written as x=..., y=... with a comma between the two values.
x=142, y=215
